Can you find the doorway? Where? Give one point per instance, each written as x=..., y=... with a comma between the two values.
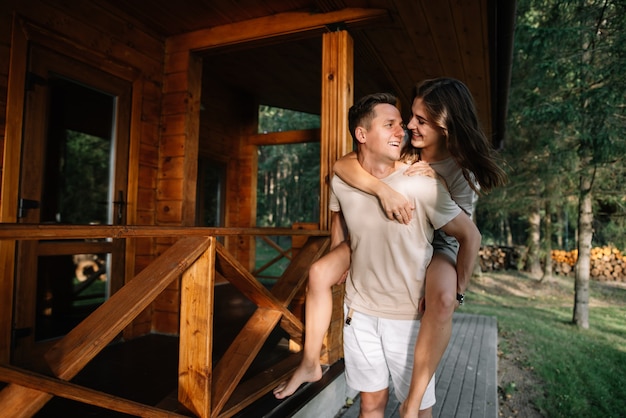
x=74, y=168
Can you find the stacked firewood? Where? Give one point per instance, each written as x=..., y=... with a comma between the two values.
x=492, y=258
x=607, y=263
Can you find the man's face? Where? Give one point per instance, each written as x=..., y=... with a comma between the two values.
x=424, y=133
x=384, y=136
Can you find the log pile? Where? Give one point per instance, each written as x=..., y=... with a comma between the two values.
x=497, y=258
x=607, y=263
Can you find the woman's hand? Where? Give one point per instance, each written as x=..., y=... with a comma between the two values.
x=395, y=205
x=421, y=168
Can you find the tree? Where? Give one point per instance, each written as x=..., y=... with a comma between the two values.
x=566, y=121
x=288, y=174
x=601, y=85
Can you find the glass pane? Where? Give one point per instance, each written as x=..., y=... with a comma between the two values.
x=288, y=184
x=79, y=155
x=77, y=189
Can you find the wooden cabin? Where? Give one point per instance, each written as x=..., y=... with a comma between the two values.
x=172, y=86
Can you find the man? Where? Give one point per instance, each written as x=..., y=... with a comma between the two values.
x=389, y=259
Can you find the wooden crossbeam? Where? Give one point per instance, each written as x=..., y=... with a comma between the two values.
x=249, y=286
x=240, y=354
x=269, y=27
x=248, y=343
x=61, y=388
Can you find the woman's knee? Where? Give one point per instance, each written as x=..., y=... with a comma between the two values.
x=441, y=282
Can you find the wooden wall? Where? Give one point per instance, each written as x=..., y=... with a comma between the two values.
x=112, y=43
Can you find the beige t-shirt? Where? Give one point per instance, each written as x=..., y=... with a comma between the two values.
x=389, y=259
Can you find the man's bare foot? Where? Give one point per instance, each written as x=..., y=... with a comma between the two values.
x=303, y=374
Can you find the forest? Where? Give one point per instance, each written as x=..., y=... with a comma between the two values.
x=563, y=151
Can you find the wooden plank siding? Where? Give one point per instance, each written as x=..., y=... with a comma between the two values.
x=105, y=41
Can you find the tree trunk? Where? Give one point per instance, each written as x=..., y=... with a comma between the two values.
x=509, y=233
x=583, y=266
x=533, y=262
x=547, y=270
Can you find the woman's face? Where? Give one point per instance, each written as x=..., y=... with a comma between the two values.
x=424, y=133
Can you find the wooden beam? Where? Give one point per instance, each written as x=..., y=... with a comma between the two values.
x=269, y=27
x=40, y=383
x=9, y=187
x=287, y=137
x=249, y=341
x=240, y=354
x=247, y=284
x=37, y=232
x=337, y=97
x=195, y=368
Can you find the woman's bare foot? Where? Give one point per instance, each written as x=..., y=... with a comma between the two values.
x=303, y=374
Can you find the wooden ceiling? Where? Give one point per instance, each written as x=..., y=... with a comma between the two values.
x=410, y=41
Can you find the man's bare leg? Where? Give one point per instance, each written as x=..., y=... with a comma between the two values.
x=323, y=274
x=435, y=330
x=373, y=404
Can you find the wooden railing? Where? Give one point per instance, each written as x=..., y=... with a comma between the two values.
x=203, y=390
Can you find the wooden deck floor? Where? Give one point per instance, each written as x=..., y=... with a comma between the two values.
x=466, y=380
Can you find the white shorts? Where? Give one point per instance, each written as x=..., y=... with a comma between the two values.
x=377, y=348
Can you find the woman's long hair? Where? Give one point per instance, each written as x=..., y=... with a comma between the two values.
x=450, y=106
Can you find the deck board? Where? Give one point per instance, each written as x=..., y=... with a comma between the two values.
x=466, y=379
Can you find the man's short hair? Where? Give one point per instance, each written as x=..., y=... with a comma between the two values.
x=362, y=112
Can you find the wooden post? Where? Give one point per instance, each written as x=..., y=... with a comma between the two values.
x=196, y=334
x=337, y=97
x=9, y=187
x=335, y=141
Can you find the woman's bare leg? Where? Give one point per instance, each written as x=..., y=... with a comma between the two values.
x=435, y=329
x=323, y=274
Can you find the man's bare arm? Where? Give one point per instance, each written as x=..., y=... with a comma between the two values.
x=467, y=234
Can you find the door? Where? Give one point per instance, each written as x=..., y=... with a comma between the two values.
x=74, y=172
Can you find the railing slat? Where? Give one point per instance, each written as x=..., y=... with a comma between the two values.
x=14, y=231
x=31, y=380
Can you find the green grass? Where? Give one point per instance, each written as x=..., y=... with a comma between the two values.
x=582, y=371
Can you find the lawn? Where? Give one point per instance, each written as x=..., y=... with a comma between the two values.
x=571, y=372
